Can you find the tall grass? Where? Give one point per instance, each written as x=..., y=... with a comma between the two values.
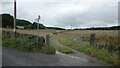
x=42, y=32
x=103, y=36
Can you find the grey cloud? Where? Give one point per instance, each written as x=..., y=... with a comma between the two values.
x=96, y=14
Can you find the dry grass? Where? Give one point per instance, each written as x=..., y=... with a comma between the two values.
x=20, y=27
x=34, y=32
x=112, y=33
x=42, y=32
x=101, y=35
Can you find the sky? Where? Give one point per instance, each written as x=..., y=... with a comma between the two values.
x=64, y=13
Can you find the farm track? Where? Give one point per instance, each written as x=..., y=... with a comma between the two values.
x=57, y=42
x=81, y=55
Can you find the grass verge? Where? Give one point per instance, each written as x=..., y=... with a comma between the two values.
x=48, y=49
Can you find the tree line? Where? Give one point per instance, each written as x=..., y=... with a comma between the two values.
x=8, y=22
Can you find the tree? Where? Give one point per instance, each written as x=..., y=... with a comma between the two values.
x=7, y=21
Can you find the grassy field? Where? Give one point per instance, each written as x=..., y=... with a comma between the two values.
x=102, y=37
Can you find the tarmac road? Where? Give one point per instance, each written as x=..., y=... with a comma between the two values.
x=12, y=57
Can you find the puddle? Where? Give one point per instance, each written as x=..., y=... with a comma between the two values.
x=74, y=57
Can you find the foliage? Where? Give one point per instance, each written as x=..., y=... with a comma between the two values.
x=7, y=21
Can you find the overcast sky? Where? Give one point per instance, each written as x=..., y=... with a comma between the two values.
x=63, y=13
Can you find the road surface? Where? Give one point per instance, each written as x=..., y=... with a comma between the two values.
x=12, y=57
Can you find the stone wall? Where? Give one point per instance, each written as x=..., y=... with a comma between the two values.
x=10, y=34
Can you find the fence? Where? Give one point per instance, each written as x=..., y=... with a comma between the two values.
x=92, y=41
x=84, y=38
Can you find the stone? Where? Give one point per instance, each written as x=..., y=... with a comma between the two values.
x=47, y=39
x=41, y=40
x=92, y=39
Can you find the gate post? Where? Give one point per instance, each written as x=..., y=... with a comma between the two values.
x=47, y=39
x=92, y=39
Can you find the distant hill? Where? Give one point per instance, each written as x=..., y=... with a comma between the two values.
x=8, y=22
x=41, y=26
x=34, y=26
x=20, y=22
x=100, y=28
